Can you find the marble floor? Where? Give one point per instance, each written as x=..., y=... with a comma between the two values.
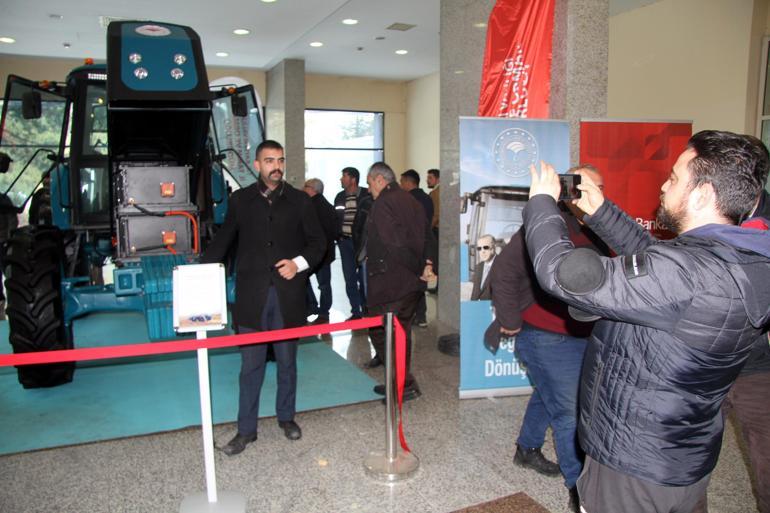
x=465, y=449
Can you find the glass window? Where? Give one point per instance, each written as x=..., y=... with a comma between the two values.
x=336, y=139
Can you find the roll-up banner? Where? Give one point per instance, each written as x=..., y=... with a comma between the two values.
x=635, y=158
x=495, y=155
x=516, y=74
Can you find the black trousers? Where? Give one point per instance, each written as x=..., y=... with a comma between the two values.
x=404, y=309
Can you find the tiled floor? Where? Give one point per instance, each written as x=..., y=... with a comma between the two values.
x=465, y=450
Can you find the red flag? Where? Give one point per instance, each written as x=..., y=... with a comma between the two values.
x=516, y=77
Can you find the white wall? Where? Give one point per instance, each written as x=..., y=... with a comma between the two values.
x=685, y=59
x=422, y=125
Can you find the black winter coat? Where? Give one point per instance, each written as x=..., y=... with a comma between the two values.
x=679, y=319
x=328, y=219
x=266, y=233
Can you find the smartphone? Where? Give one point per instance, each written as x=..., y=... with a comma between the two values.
x=569, y=188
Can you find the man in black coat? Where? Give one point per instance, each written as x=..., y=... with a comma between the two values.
x=275, y=233
x=323, y=272
x=410, y=182
x=399, y=252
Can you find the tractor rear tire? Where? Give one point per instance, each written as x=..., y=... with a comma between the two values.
x=33, y=270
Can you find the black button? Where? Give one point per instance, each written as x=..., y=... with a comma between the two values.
x=269, y=243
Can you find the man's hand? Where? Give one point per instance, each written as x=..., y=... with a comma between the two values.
x=508, y=332
x=427, y=272
x=592, y=197
x=545, y=182
x=286, y=268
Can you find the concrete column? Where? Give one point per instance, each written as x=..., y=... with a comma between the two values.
x=578, y=90
x=285, y=115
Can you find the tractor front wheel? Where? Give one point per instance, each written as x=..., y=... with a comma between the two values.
x=33, y=270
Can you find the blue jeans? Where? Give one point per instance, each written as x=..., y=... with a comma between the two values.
x=253, y=362
x=324, y=277
x=553, y=363
x=354, y=276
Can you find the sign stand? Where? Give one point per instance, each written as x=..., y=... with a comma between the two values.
x=200, y=305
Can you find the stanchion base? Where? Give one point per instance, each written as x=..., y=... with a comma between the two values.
x=379, y=466
x=227, y=502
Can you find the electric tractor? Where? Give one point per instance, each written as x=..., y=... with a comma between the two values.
x=122, y=173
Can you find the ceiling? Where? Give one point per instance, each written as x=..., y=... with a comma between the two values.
x=282, y=29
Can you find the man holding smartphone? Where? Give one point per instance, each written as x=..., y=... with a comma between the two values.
x=679, y=318
x=551, y=345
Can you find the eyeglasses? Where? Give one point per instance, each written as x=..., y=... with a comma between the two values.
x=479, y=248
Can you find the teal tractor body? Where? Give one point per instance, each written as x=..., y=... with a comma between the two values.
x=123, y=173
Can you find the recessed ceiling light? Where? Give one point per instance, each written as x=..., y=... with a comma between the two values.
x=66, y=45
x=480, y=24
x=56, y=16
x=402, y=52
x=459, y=71
x=222, y=54
x=349, y=21
x=8, y=40
x=241, y=32
x=268, y=1
x=379, y=38
x=316, y=44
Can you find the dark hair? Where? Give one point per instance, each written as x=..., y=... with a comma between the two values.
x=352, y=173
x=735, y=165
x=412, y=176
x=267, y=144
x=434, y=172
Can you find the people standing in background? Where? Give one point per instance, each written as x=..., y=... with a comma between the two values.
x=434, y=181
x=323, y=271
x=346, y=206
x=399, y=252
x=410, y=182
x=274, y=230
x=485, y=249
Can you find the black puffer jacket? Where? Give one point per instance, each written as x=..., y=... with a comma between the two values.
x=679, y=319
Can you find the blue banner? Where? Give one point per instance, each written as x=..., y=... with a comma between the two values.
x=495, y=155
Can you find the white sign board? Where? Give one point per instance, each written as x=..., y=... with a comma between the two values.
x=200, y=298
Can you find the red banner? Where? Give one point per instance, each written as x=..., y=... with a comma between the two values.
x=635, y=158
x=516, y=77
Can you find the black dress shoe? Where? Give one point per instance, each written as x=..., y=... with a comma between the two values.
x=237, y=444
x=412, y=392
x=534, y=459
x=290, y=429
x=409, y=385
x=373, y=364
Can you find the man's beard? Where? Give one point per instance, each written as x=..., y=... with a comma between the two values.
x=670, y=219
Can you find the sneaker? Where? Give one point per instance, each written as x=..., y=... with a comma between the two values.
x=534, y=459
x=237, y=444
x=422, y=323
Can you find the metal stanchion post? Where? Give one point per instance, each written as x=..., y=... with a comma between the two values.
x=210, y=502
x=391, y=465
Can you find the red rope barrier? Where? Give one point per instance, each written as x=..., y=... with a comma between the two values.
x=262, y=337
x=178, y=346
